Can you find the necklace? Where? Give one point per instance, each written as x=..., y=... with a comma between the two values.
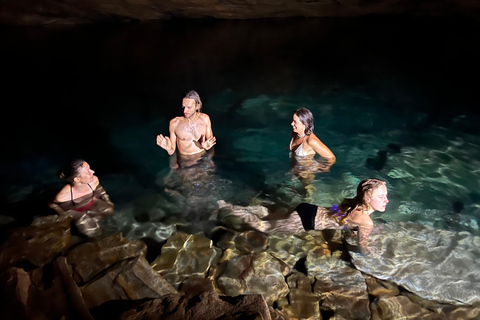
x=300, y=135
x=192, y=123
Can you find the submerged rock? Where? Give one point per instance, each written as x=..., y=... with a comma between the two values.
x=301, y=302
x=291, y=248
x=341, y=289
x=206, y=306
x=184, y=255
x=435, y=264
x=255, y=273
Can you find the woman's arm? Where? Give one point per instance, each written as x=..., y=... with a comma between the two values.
x=320, y=148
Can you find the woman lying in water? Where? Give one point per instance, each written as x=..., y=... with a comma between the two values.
x=82, y=198
x=351, y=213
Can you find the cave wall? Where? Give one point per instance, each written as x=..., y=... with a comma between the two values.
x=38, y=12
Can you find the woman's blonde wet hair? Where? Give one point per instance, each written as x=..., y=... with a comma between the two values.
x=364, y=194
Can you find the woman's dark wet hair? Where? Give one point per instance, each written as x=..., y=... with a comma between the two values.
x=306, y=117
x=364, y=193
x=192, y=94
x=70, y=170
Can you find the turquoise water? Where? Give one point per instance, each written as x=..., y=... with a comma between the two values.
x=392, y=98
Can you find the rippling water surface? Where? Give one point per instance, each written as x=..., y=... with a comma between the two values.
x=392, y=98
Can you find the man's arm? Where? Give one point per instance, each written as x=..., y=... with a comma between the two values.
x=169, y=144
x=209, y=140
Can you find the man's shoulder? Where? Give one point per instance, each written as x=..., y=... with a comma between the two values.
x=204, y=116
x=176, y=120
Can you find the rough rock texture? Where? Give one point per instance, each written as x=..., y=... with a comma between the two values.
x=435, y=264
x=30, y=12
x=205, y=306
x=256, y=273
x=43, y=293
x=105, y=252
x=131, y=279
x=342, y=289
x=301, y=302
x=37, y=244
x=184, y=255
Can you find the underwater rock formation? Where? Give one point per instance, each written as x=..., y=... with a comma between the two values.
x=238, y=275
x=435, y=264
x=184, y=255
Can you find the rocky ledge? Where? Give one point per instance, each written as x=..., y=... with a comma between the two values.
x=413, y=272
x=29, y=12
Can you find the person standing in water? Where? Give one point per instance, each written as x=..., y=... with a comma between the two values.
x=82, y=198
x=192, y=133
x=304, y=142
x=303, y=147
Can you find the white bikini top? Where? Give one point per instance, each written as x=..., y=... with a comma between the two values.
x=299, y=151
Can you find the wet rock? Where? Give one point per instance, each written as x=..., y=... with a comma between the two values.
x=341, y=288
x=43, y=293
x=38, y=243
x=196, y=284
x=291, y=248
x=378, y=162
x=394, y=148
x=243, y=242
x=435, y=264
x=91, y=258
x=251, y=241
x=206, y=306
x=184, y=255
x=378, y=287
x=255, y=273
x=234, y=216
x=399, y=307
x=300, y=303
x=131, y=279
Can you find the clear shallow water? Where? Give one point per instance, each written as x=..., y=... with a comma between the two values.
x=387, y=88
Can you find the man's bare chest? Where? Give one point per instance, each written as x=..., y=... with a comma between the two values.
x=190, y=130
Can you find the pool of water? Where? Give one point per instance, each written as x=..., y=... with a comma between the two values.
x=393, y=98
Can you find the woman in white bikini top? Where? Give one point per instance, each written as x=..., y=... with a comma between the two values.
x=304, y=142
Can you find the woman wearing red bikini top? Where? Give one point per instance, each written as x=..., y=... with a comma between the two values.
x=82, y=198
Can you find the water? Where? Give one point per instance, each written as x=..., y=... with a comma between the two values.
x=380, y=88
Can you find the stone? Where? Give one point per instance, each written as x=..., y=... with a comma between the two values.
x=400, y=307
x=378, y=287
x=195, y=285
x=341, y=289
x=254, y=273
x=38, y=243
x=130, y=279
x=76, y=11
x=184, y=255
x=104, y=253
x=291, y=248
x=206, y=306
x=301, y=302
x=42, y=294
x=438, y=265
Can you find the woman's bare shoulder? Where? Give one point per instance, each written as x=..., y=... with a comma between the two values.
x=63, y=195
